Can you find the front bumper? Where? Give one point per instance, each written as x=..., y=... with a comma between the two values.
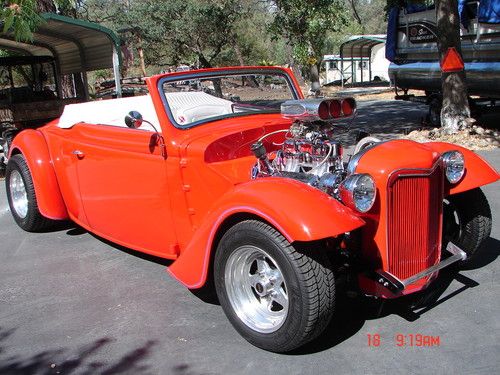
x=386, y=285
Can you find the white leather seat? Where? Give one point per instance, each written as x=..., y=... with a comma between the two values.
x=189, y=107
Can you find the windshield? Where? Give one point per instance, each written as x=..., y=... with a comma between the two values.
x=192, y=100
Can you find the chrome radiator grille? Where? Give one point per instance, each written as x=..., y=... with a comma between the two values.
x=415, y=199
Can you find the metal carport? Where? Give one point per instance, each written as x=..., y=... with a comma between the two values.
x=77, y=46
x=359, y=46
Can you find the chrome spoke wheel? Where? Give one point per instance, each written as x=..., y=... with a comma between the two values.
x=18, y=193
x=256, y=289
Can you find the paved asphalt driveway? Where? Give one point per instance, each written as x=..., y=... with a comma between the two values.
x=72, y=303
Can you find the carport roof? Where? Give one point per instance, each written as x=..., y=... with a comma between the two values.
x=77, y=45
x=360, y=45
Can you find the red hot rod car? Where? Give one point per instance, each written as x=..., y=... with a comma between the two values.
x=239, y=180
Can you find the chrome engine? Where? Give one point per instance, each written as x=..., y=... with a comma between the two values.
x=309, y=153
x=310, y=149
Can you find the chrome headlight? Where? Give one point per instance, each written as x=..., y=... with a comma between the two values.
x=454, y=165
x=358, y=192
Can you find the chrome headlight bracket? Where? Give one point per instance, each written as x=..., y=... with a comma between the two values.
x=454, y=164
x=358, y=192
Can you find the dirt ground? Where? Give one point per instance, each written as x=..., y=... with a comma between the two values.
x=483, y=134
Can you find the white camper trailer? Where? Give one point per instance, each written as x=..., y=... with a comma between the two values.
x=361, y=59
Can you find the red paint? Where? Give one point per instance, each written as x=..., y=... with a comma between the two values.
x=122, y=189
x=414, y=222
x=32, y=144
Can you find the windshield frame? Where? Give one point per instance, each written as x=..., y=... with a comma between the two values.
x=216, y=73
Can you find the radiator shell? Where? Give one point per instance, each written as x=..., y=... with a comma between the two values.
x=414, y=220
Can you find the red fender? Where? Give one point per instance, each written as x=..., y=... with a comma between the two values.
x=299, y=212
x=31, y=143
x=477, y=170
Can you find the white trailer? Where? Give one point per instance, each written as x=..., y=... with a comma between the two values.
x=361, y=59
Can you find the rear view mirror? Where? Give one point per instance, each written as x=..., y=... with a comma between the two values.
x=133, y=119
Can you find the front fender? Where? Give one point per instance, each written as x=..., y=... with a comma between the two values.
x=477, y=171
x=31, y=144
x=299, y=212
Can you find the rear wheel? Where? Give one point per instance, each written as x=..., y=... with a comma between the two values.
x=467, y=222
x=21, y=196
x=274, y=294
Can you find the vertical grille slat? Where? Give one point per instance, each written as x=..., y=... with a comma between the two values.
x=414, y=230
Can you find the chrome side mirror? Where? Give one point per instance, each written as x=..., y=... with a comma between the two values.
x=133, y=119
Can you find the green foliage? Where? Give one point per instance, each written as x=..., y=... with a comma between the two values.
x=172, y=31
x=305, y=25
x=20, y=18
x=372, y=15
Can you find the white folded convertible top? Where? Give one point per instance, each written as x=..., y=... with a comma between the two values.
x=110, y=112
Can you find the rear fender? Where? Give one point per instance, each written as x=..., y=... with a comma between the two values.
x=477, y=171
x=299, y=212
x=31, y=144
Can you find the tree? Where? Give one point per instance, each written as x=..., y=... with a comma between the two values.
x=174, y=31
x=305, y=25
x=368, y=15
x=20, y=17
x=455, y=110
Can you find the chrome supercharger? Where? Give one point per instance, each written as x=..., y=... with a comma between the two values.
x=309, y=152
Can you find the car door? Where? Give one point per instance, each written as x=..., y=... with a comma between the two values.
x=123, y=187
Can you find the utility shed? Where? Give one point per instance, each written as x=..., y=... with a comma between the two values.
x=361, y=59
x=77, y=46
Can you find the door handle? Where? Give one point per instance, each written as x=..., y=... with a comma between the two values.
x=79, y=154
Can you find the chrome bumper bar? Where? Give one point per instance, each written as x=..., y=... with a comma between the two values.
x=396, y=285
x=457, y=254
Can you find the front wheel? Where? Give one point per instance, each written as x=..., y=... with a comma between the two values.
x=467, y=222
x=274, y=294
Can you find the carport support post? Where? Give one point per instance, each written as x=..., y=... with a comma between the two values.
x=116, y=72
x=370, y=65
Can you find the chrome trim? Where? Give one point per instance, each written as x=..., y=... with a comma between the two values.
x=215, y=73
x=18, y=194
x=348, y=187
x=256, y=289
x=447, y=164
x=304, y=109
x=457, y=255
x=353, y=163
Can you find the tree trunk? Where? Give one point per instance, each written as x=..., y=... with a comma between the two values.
x=314, y=72
x=239, y=55
x=357, y=17
x=204, y=63
x=45, y=6
x=455, y=110
x=140, y=52
x=293, y=66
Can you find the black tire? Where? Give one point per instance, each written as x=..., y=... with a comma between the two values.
x=467, y=222
x=7, y=138
x=308, y=280
x=33, y=221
